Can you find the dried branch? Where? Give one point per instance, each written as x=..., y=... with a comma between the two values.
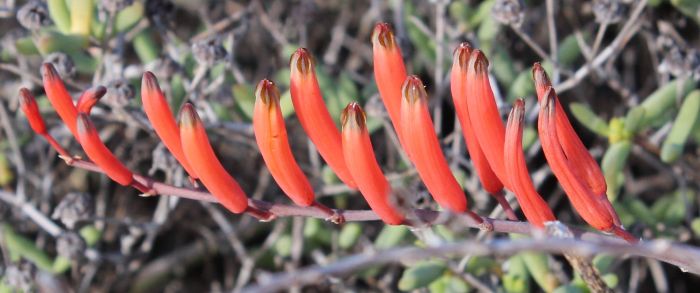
x=687, y=258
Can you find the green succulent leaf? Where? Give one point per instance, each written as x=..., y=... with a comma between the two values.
x=672, y=147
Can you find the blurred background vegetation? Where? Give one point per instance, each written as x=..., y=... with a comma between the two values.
x=626, y=70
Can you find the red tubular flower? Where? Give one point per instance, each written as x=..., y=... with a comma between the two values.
x=98, y=153
x=534, y=207
x=271, y=136
x=36, y=121
x=313, y=114
x=422, y=143
x=574, y=149
x=28, y=105
x=59, y=97
x=161, y=117
x=89, y=98
x=363, y=166
x=592, y=208
x=484, y=115
x=389, y=72
x=202, y=159
x=488, y=178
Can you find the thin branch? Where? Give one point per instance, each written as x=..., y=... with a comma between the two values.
x=686, y=257
x=628, y=30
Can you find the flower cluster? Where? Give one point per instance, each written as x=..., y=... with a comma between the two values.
x=495, y=148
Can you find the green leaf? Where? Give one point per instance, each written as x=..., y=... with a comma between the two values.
x=49, y=41
x=672, y=147
x=695, y=226
x=81, y=12
x=448, y=283
x=25, y=46
x=640, y=211
x=479, y=265
x=61, y=265
x=529, y=137
x=691, y=8
x=391, y=236
x=537, y=264
x=286, y=104
x=612, y=166
x=602, y=262
x=522, y=86
x=676, y=211
x=244, y=99
x=444, y=232
x=662, y=100
x=633, y=119
x=569, y=51
x=461, y=12
x=515, y=284
x=283, y=246
x=6, y=174
x=20, y=246
x=145, y=47
x=84, y=63
x=503, y=67
x=421, y=274
x=90, y=234
x=517, y=280
x=483, y=12
x=671, y=209
x=128, y=17
x=590, y=120
x=568, y=289
x=611, y=280
x=58, y=10
x=349, y=235
x=487, y=33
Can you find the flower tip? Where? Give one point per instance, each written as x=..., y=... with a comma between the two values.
x=48, y=71
x=461, y=55
x=353, y=116
x=99, y=91
x=550, y=97
x=413, y=89
x=302, y=60
x=478, y=62
x=518, y=111
x=382, y=35
x=188, y=115
x=89, y=98
x=149, y=81
x=28, y=105
x=26, y=98
x=539, y=75
x=267, y=92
